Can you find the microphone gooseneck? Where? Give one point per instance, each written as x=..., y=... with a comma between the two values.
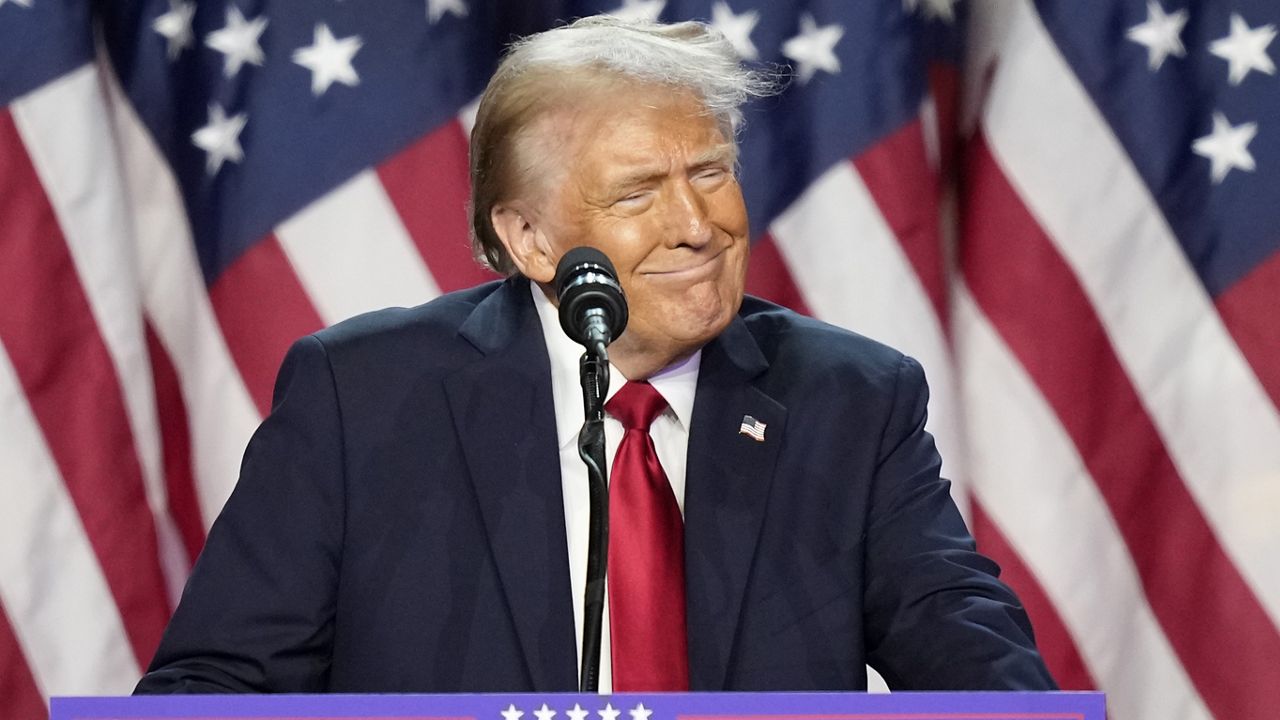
x=593, y=310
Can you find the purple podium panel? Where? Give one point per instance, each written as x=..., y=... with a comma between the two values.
x=556, y=706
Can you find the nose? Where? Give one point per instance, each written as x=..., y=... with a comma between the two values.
x=689, y=219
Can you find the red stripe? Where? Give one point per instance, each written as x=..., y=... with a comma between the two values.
x=262, y=309
x=1249, y=310
x=1212, y=619
x=175, y=445
x=68, y=377
x=19, y=694
x=897, y=174
x=944, y=84
x=429, y=187
x=768, y=276
x=1052, y=637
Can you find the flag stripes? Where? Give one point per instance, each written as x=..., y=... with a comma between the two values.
x=262, y=278
x=221, y=414
x=71, y=148
x=67, y=621
x=1150, y=300
x=23, y=698
x=1032, y=483
x=1054, y=639
x=342, y=278
x=78, y=407
x=906, y=188
x=768, y=276
x=1037, y=306
x=854, y=272
x=1248, y=311
x=175, y=445
x=423, y=184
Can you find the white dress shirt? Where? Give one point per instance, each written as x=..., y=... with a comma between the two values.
x=670, y=432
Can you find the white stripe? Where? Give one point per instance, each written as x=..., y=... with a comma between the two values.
x=931, y=131
x=1029, y=477
x=62, y=611
x=221, y=415
x=63, y=125
x=467, y=116
x=1218, y=424
x=352, y=253
x=854, y=273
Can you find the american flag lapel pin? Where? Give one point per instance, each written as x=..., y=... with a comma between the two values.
x=752, y=428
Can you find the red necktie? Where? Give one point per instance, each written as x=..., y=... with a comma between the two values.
x=646, y=555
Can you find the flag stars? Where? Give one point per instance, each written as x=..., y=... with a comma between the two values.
x=608, y=712
x=640, y=10
x=329, y=59
x=220, y=138
x=437, y=9
x=238, y=41
x=640, y=712
x=1227, y=147
x=736, y=28
x=814, y=48
x=175, y=26
x=944, y=10
x=577, y=713
x=544, y=713
x=1161, y=34
x=511, y=713
x=1245, y=49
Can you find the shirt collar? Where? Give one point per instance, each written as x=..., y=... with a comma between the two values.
x=677, y=383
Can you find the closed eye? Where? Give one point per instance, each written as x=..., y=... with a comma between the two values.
x=710, y=176
x=634, y=201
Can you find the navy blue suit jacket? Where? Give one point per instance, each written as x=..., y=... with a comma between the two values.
x=398, y=525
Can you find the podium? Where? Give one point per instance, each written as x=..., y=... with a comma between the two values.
x=564, y=706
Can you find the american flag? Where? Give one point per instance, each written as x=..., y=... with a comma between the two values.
x=1068, y=210
x=752, y=428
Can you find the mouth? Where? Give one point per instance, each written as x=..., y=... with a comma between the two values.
x=705, y=268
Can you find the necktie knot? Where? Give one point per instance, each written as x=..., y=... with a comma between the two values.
x=636, y=405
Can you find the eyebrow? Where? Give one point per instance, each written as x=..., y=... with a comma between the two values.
x=722, y=153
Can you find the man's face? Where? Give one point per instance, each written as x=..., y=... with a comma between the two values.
x=648, y=179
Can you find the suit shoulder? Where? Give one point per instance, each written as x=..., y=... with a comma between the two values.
x=800, y=346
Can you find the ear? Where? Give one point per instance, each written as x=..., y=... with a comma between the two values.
x=525, y=243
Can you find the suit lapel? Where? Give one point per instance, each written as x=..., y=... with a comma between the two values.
x=505, y=419
x=727, y=487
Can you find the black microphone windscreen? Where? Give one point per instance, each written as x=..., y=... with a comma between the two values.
x=581, y=259
x=591, y=301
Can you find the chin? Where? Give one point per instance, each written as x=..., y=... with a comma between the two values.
x=706, y=322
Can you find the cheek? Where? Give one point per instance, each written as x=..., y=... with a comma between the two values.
x=623, y=242
x=728, y=211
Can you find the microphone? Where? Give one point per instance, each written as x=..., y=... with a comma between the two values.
x=593, y=310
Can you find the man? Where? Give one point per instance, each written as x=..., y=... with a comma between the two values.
x=412, y=515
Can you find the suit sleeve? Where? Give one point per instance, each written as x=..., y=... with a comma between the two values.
x=938, y=617
x=257, y=613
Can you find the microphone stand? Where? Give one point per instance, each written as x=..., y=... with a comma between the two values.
x=593, y=369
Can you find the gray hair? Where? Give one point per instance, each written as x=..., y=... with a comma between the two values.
x=536, y=71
